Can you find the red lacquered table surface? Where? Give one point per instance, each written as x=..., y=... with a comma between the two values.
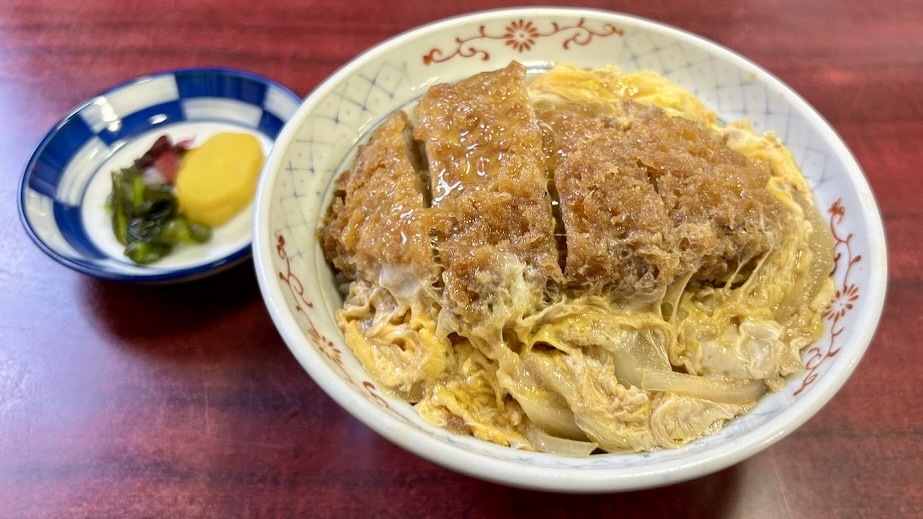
x=119, y=400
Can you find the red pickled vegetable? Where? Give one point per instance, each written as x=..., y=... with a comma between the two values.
x=164, y=156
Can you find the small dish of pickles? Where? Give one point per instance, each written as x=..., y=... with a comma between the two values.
x=153, y=180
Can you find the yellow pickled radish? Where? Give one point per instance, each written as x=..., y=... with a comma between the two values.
x=218, y=179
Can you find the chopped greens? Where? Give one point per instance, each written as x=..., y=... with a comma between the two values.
x=146, y=217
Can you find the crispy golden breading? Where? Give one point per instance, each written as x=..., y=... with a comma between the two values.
x=484, y=151
x=715, y=196
x=619, y=236
x=646, y=198
x=378, y=219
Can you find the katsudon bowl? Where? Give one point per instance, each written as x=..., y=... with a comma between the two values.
x=320, y=141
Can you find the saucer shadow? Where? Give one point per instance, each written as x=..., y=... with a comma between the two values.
x=146, y=316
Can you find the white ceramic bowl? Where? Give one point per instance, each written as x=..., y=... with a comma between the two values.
x=321, y=139
x=63, y=189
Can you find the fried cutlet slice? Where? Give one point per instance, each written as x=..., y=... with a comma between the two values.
x=378, y=226
x=648, y=198
x=723, y=214
x=619, y=234
x=484, y=149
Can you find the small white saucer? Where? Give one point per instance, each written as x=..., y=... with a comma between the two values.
x=64, y=187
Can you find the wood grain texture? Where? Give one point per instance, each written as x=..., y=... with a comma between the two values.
x=125, y=401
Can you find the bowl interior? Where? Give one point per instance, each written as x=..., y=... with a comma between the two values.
x=67, y=181
x=322, y=139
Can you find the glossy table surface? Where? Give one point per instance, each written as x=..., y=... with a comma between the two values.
x=119, y=400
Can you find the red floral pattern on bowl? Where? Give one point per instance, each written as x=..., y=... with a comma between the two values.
x=521, y=35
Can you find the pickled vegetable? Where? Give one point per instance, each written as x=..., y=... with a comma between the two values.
x=146, y=217
x=218, y=179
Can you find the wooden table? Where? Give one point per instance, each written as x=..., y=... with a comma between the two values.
x=182, y=401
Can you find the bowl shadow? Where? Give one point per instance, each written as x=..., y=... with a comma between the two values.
x=711, y=496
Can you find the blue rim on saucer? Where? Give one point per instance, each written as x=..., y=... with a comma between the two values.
x=62, y=186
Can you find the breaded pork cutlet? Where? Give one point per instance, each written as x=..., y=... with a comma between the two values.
x=484, y=149
x=618, y=233
x=716, y=197
x=648, y=198
x=378, y=226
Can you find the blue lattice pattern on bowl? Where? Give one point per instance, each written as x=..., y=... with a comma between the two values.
x=62, y=183
x=322, y=140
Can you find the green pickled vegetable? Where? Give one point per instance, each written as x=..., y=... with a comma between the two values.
x=146, y=217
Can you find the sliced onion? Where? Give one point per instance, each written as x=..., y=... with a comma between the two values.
x=550, y=415
x=544, y=442
x=714, y=388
